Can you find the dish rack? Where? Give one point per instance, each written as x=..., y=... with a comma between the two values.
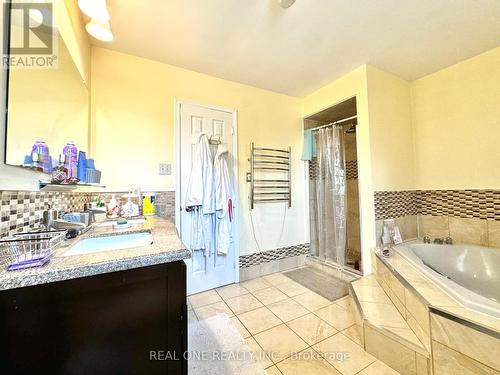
x=263, y=187
x=26, y=250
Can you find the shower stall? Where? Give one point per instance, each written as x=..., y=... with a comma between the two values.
x=333, y=187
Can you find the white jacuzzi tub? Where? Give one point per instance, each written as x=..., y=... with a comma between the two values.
x=469, y=273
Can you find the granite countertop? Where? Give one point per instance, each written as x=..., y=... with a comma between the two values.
x=166, y=248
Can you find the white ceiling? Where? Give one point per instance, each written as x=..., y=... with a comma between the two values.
x=300, y=49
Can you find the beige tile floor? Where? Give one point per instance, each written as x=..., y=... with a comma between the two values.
x=291, y=329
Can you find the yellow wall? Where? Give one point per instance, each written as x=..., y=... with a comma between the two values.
x=133, y=118
x=70, y=25
x=47, y=104
x=440, y=131
x=77, y=42
x=384, y=137
x=391, y=141
x=353, y=84
x=456, y=121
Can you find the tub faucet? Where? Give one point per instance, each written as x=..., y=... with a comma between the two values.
x=427, y=239
x=443, y=241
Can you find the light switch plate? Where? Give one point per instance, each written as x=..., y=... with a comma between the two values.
x=165, y=169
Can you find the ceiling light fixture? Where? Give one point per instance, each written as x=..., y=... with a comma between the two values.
x=100, y=30
x=286, y=3
x=95, y=9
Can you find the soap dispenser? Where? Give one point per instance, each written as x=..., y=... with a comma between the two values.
x=113, y=208
x=148, y=207
x=130, y=209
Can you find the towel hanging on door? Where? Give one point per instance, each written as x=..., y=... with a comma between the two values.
x=224, y=199
x=200, y=196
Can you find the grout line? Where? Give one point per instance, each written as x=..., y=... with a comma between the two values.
x=286, y=323
x=271, y=302
x=309, y=347
x=371, y=363
x=246, y=311
x=208, y=304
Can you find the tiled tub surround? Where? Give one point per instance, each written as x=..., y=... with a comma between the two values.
x=23, y=210
x=467, y=216
x=383, y=330
x=166, y=248
x=467, y=273
x=459, y=340
x=398, y=205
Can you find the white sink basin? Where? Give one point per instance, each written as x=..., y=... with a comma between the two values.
x=114, y=222
x=108, y=243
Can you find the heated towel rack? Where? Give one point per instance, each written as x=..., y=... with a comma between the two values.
x=270, y=175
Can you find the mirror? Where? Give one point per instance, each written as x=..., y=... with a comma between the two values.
x=46, y=106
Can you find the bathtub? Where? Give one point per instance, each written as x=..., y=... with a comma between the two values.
x=468, y=273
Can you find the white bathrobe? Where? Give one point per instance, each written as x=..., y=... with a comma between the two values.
x=224, y=199
x=200, y=196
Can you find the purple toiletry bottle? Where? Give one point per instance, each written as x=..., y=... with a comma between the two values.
x=41, y=157
x=70, y=153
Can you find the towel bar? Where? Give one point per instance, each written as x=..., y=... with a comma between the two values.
x=275, y=161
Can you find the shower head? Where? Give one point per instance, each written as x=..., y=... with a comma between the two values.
x=286, y=3
x=352, y=129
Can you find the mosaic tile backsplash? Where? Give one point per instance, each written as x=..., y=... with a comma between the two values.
x=23, y=210
x=392, y=204
x=467, y=216
x=480, y=204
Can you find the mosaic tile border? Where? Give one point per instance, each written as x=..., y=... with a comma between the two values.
x=391, y=204
x=313, y=169
x=480, y=204
x=473, y=203
x=351, y=169
x=276, y=254
x=23, y=210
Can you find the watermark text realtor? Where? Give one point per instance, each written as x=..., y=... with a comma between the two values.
x=33, y=40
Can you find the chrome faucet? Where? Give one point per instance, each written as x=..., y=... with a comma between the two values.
x=438, y=240
x=51, y=221
x=49, y=216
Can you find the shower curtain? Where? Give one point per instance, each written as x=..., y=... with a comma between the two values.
x=331, y=195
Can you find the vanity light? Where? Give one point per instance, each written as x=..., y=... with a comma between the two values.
x=99, y=30
x=95, y=9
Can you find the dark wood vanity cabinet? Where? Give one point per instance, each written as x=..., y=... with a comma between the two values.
x=125, y=322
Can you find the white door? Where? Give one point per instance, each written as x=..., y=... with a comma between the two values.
x=214, y=270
